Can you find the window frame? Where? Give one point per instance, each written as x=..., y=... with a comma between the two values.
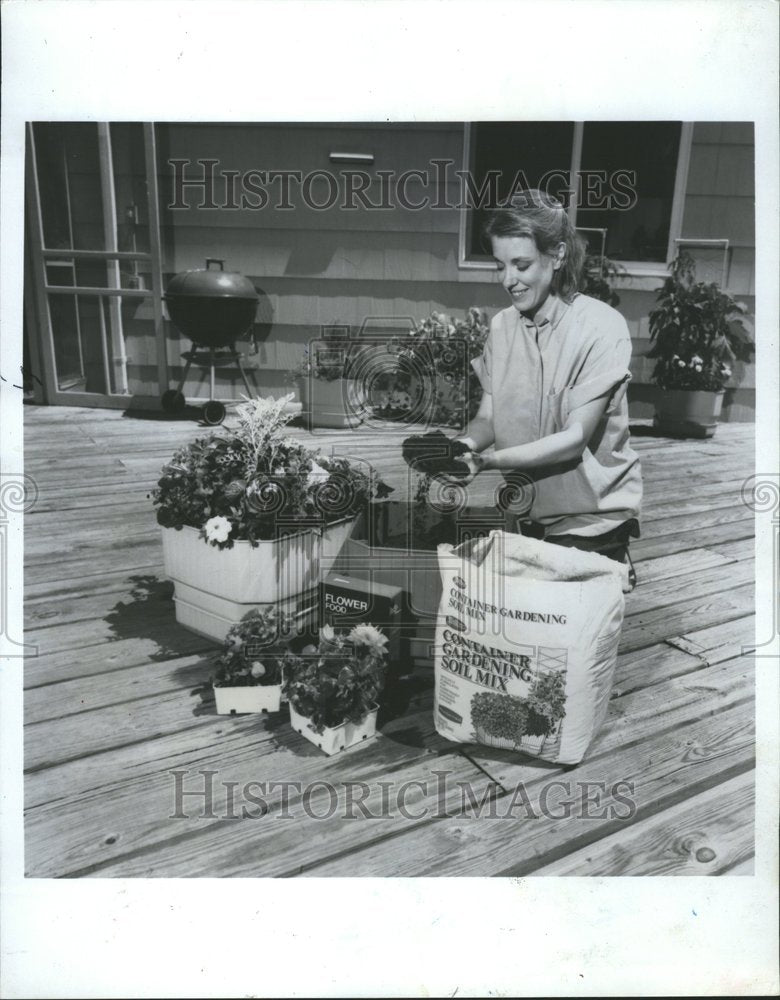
x=476, y=270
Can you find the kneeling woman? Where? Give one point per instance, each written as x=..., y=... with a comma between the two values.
x=554, y=373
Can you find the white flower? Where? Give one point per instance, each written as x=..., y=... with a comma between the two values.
x=217, y=529
x=317, y=475
x=681, y=364
x=726, y=371
x=258, y=670
x=327, y=633
x=697, y=368
x=696, y=360
x=367, y=635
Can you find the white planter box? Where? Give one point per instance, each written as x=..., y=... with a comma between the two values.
x=238, y=700
x=215, y=588
x=332, y=741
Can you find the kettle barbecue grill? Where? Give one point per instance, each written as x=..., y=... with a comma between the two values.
x=213, y=308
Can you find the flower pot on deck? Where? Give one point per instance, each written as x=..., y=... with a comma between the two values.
x=333, y=740
x=336, y=403
x=215, y=588
x=254, y=698
x=688, y=412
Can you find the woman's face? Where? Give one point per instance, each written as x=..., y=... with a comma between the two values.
x=525, y=273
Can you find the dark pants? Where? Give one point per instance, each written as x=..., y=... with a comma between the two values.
x=612, y=544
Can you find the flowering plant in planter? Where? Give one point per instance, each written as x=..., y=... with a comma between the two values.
x=248, y=670
x=254, y=650
x=445, y=346
x=253, y=483
x=339, y=680
x=697, y=332
x=251, y=517
x=328, y=361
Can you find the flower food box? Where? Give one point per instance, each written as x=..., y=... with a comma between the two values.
x=346, y=601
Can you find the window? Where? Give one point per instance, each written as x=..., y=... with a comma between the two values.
x=620, y=181
x=538, y=149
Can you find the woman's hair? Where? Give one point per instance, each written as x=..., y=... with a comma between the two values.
x=543, y=219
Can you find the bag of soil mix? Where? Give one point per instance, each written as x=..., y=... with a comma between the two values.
x=526, y=644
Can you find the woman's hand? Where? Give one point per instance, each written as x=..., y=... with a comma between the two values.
x=475, y=463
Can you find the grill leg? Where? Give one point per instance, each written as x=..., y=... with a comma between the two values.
x=211, y=376
x=183, y=379
x=243, y=376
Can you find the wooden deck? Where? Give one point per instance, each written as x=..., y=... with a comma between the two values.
x=112, y=712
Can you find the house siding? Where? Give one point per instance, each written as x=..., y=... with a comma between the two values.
x=335, y=266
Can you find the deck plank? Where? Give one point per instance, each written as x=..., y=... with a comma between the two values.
x=144, y=799
x=705, y=835
x=664, y=769
x=639, y=713
x=113, y=704
x=137, y=812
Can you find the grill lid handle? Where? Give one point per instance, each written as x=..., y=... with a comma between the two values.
x=215, y=260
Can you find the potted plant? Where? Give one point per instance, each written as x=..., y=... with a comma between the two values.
x=598, y=274
x=434, y=381
x=330, y=395
x=248, y=671
x=697, y=334
x=545, y=707
x=333, y=687
x=251, y=517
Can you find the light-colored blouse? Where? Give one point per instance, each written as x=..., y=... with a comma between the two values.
x=538, y=371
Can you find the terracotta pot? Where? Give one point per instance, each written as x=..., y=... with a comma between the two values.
x=688, y=412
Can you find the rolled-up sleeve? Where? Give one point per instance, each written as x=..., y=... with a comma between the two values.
x=483, y=365
x=605, y=371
